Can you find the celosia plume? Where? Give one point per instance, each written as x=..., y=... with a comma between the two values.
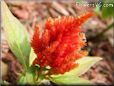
x=61, y=43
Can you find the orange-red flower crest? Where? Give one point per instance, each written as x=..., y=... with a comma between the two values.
x=61, y=43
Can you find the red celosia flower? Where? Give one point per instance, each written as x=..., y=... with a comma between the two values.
x=61, y=43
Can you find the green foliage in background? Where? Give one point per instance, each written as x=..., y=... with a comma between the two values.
x=106, y=7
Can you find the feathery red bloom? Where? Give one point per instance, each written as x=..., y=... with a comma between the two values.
x=61, y=43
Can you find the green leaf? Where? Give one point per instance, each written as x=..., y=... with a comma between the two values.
x=106, y=8
x=85, y=64
x=72, y=77
x=22, y=80
x=16, y=35
x=108, y=12
x=32, y=57
x=29, y=77
x=3, y=82
x=69, y=80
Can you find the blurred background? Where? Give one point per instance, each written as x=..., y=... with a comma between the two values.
x=99, y=32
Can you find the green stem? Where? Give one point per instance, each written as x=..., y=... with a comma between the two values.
x=39, y=73
x=103, y=32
